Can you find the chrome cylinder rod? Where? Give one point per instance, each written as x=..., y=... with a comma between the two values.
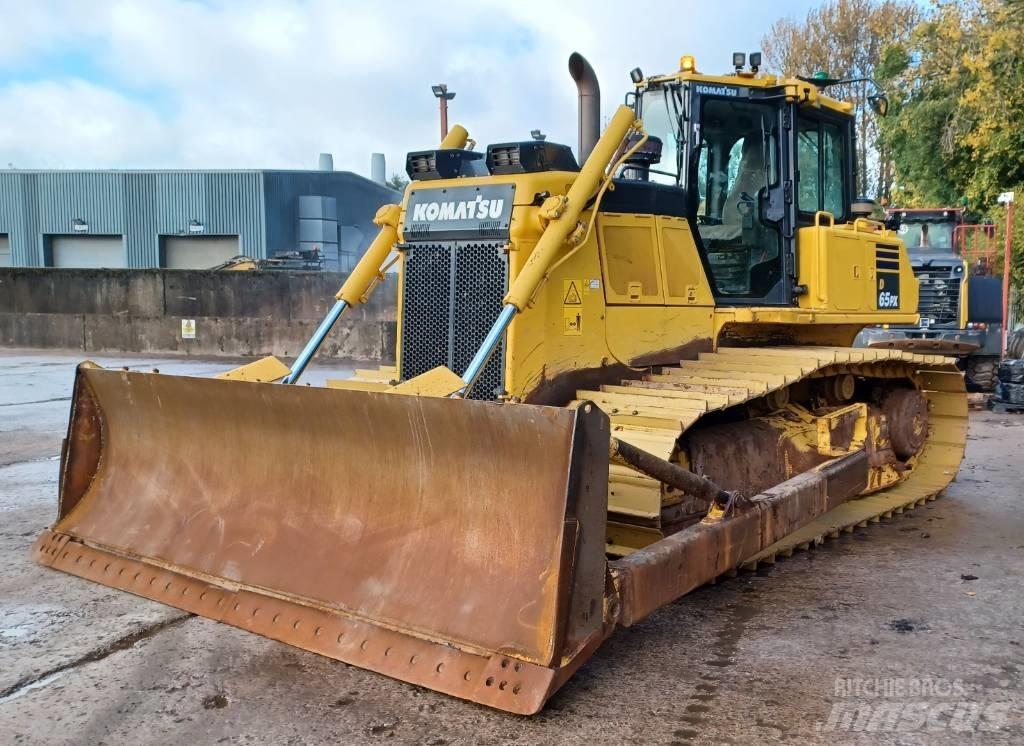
x=487, y=348
x=315, y=341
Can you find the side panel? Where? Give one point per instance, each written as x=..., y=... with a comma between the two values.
x=685, y=281
x=849, y=270
x=846, y=272
x=632, y=269
x=578, y=335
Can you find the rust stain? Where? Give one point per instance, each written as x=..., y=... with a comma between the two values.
x=906, y=411
x=561, y=389
x=673, y=355
x=433, y=520
x=80, y=453
x=455, y=545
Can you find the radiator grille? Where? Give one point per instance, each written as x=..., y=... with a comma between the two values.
x=451, y=296
x=939, y=294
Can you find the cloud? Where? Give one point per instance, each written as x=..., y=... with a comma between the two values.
x=75, y=124
x=170, y=83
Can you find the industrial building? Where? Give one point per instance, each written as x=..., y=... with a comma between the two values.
x=186, y=219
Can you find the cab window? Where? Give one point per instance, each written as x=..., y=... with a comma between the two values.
x=736, y=165
x=661, y=112
x=928, y=234
x=821, y=166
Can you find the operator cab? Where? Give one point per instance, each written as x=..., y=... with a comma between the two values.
x=752, y=158
x=928, y=231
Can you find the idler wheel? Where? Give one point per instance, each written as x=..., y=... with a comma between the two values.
x=907, y=413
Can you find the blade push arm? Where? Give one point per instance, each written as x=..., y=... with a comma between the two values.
x=366, y=273
x=356, y=287
x=564, y=214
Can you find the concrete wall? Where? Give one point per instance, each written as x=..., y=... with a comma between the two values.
x=236, y=313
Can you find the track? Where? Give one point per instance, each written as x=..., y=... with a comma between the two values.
x=653, y=413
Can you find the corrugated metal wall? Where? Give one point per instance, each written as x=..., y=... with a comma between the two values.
x=357, y=201
x=139, y=205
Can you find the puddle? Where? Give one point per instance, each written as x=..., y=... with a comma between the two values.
x=39, y=684
x=16, y=632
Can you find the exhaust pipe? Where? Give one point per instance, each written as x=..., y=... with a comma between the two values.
x=589, y=104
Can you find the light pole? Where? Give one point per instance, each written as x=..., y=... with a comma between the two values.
x=443, y=96
x=1006, y=198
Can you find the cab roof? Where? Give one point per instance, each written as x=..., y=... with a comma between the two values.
x=796, y=89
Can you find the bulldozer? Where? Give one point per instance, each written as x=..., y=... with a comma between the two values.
x=960, y=292
x=615, y=382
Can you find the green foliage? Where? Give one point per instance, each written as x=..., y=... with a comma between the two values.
x=397, y=182
x=958, y=89
x=954, y=75
x=849, y=39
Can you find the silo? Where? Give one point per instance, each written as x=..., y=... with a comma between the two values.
x=378, y=172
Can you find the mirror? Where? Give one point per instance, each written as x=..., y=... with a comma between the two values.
x=879, y=104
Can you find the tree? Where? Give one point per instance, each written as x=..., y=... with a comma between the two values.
x=847, y=38
x=397, y=182
x=926, y=77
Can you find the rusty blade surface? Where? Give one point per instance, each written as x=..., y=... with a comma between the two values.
x=460, y=523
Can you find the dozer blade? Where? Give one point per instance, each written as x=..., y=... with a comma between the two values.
x=453, y=544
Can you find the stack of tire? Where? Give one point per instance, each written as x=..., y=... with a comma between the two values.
x=981, y=372
x=1015, y=344
x=1009, y=390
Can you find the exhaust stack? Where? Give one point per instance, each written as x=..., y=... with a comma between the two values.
x=589, y=104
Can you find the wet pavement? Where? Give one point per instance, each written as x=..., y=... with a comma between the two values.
x=907, y=632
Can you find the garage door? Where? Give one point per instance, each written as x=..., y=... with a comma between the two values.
x=86, y=251
x=198, y=252
x=5, y=250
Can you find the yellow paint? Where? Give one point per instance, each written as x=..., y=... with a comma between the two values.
x=572, y=321
x=367, y=271
x=439, y=382
x=837, y=265
x=654, y=424
x=456, y=138
x=652, y=299
x=964, y=284
x=630, y=259
x=794, y=89
x=551, y=242
x=827, y=423
x=264, y=370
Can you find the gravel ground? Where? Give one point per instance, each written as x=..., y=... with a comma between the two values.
x=907, y=632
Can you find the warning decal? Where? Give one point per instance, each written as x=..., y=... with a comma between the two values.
x=571, y=293
x=188, y=328
x=572, y=322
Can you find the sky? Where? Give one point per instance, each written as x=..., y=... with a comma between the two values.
x=226, y=84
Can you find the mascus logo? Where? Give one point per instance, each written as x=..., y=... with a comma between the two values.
x=470, y=209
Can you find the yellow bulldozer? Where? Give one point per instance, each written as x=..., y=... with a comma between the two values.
x=615, y=383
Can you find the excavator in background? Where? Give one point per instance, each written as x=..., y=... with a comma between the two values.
x=961, y=292
x=309, y=260
x=615, y=382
